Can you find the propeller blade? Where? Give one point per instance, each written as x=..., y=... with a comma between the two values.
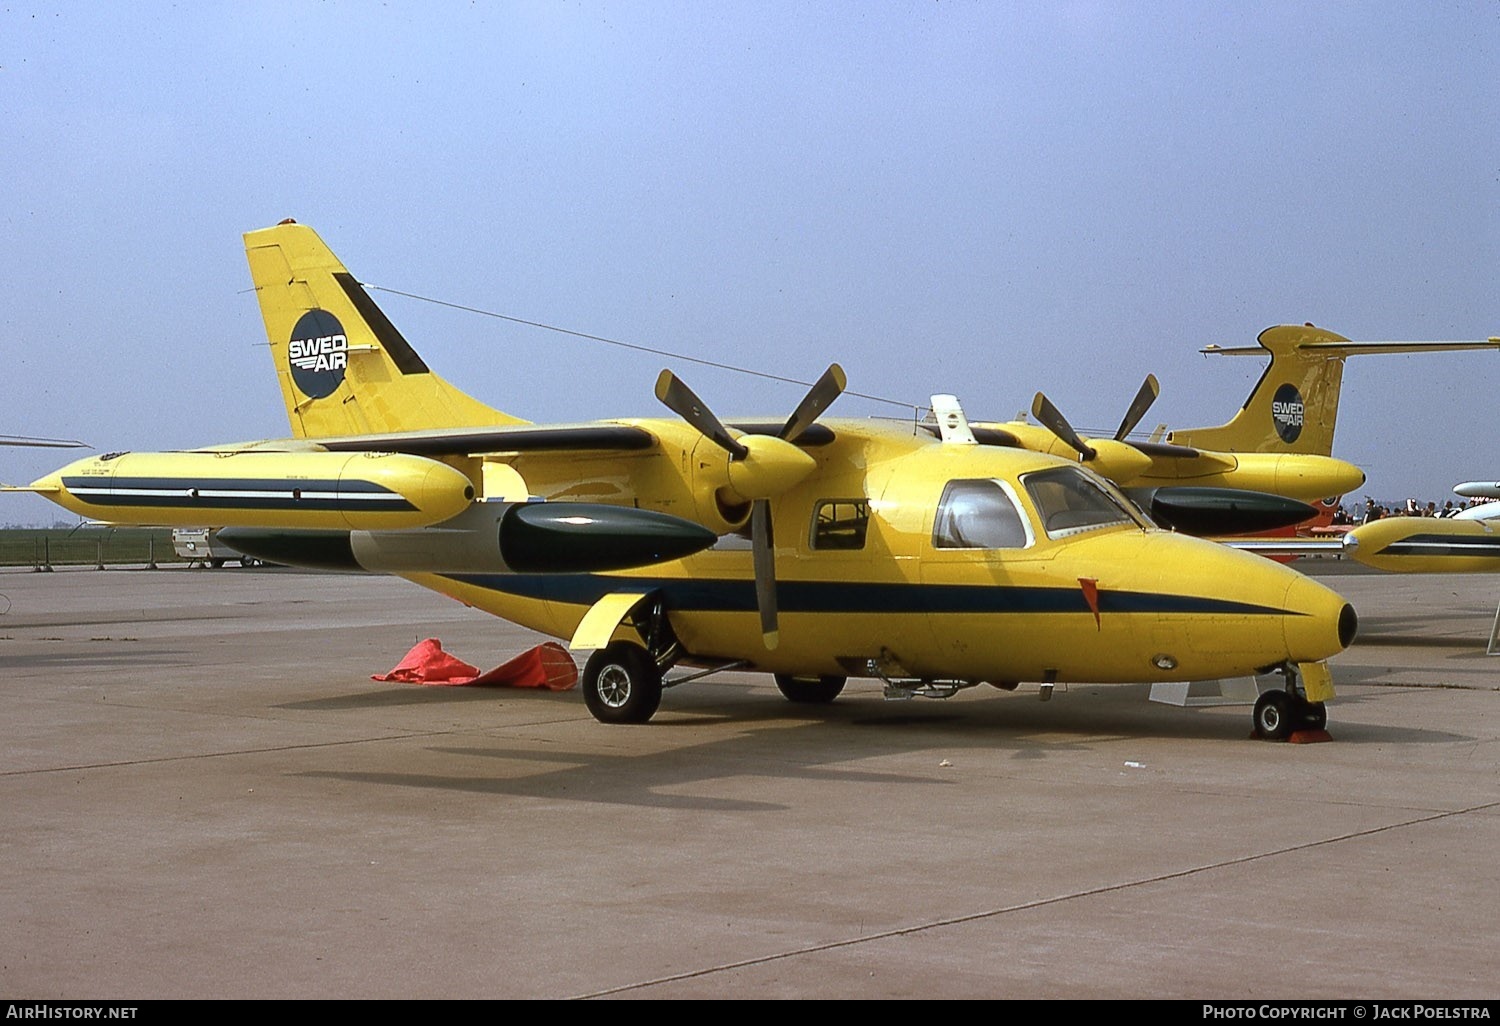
x=824, y=391
x=1138, y=406
x=764, y=550
x=680, y=399
x=1052, y=419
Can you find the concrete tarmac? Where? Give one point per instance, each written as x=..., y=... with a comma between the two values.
x=206, y=796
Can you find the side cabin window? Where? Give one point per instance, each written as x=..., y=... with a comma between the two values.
x=840, y=524
x=1069, y=501
x=978, y=515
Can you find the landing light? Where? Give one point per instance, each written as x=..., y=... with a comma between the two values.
x=1164, y=662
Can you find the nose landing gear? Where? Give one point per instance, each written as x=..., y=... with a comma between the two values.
x=1280, y=714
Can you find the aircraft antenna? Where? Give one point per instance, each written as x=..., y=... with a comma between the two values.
x=633, y=346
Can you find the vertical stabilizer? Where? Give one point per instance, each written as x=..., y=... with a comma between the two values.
x=343, y=367
x=1294, y=405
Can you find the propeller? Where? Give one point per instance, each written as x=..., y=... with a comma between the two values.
x=684, y=402
x=822, y=394
x=1052, y=419
x=778, y=469
x=1138, y=406
x=1118, y=458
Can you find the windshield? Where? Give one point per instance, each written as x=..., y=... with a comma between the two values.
x=1069, y=501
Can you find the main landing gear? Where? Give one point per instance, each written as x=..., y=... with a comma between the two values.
x=1279, y=714
x=622, y=684
x=809, y=690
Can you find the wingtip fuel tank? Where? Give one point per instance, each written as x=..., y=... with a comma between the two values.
x=310, y=490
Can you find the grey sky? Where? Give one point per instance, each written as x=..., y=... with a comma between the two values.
x=985, y=199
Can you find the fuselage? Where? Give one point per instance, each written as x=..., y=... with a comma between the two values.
x=905, y=556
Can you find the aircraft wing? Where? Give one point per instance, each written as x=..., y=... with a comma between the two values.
x=599, y=437
x=1162, y=459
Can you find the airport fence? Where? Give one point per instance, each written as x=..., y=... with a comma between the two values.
x=99, y=547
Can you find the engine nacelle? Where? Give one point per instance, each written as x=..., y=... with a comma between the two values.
x=491, y=537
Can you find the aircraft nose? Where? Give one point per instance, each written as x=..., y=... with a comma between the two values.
x=1319, y=623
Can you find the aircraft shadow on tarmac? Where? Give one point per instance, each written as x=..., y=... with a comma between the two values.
x=108, y=656
x=394, y=698
x=646, y=779
x=1465, y=645
x=798, y=745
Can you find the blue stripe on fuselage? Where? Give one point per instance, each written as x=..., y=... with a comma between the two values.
x=722, y=595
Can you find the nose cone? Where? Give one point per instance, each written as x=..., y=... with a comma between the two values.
x=1227, y=613
x=1318, y=622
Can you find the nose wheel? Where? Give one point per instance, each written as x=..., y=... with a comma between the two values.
x=1279, y=714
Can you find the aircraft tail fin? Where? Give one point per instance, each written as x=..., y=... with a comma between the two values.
x=1295, y=404
x=343, y=367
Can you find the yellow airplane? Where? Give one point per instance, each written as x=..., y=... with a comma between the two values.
x=1294, y=406
x=842, y=548
x=1280, y=442
x=1144, y=466
x=1292, y=410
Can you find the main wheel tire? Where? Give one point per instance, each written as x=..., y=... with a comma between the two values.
x=810, y=690
x=1274, y=717
x=621, y=684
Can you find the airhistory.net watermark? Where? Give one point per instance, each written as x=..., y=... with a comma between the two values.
x=58, y=1010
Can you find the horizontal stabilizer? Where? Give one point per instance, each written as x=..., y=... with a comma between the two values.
x=42, y=443
x=1348, y=347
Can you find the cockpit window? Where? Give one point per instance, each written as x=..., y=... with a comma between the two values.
x=1069, y=501
x=978, y=515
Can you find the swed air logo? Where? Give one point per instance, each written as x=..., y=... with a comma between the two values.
x=318, y=353
x=1287, y=410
